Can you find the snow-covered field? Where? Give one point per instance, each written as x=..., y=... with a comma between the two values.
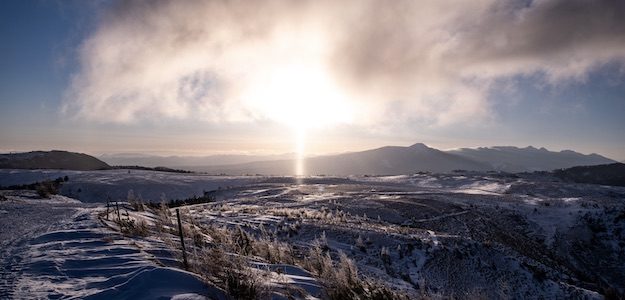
x=60, y=249
x=98, y=186
x=462, y=235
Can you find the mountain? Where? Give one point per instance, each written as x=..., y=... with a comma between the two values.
x=392, y=160
x=186, y=162
x=382, y=161
x=419, y=157
x=388, y=160
x=611, y=174
x=514, y=159
x=51, y=160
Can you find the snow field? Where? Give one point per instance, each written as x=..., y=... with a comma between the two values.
x=424, y=235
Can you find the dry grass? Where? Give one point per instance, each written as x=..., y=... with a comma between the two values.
x=222, y=256
x=131, y=227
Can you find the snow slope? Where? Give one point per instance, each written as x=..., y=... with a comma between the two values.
x=481, y=235
x=76, y=256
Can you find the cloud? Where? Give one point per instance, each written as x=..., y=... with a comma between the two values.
x=243, y=61
x=562, y=39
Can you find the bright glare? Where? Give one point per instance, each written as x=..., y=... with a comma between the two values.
x=300, y=95
x=294, y=87
x=300, y=154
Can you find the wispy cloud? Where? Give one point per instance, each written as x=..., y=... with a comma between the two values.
x=431, y=61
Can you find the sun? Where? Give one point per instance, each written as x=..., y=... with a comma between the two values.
x=302, y=96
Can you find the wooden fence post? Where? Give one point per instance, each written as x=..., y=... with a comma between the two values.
x=184, y=252
x=119, y=217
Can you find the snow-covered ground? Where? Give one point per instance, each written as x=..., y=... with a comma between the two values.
x=60, y=249
x=98, y=186
x=461, y=235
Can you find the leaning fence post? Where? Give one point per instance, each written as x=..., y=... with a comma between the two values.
x=119, y=217
x=184, y=252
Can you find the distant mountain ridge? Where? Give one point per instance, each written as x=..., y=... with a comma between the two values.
x=387, y=160
x=514, y=159
x=54, y=159
x=187, y=162
x=391, y=160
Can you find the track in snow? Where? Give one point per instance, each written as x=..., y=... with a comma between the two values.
x=77, y=257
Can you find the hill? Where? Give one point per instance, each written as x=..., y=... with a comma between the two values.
x=55, y=159
x=610, y=174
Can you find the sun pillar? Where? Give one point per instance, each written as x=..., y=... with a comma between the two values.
x=300, y=155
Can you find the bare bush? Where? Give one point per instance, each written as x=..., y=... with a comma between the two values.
x=385, y=255
x=223, y=259
x=229, y=271
x=341, y=279
x=136, y=202
x=131, y=227
x=47, y=188
x=360, y=244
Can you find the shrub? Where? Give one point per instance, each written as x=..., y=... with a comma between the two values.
x=385, y=255
x=224, y=261
x=241, y=284
x=132, y=228
x=243, y=241
x=135, y=201
x=317, y=261
x=47, y=188
x=198, y=238
x=341, y=279
x=360, y=244
x=230, y=272
x=322, y=241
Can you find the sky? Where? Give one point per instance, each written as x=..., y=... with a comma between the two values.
x=275, y=76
